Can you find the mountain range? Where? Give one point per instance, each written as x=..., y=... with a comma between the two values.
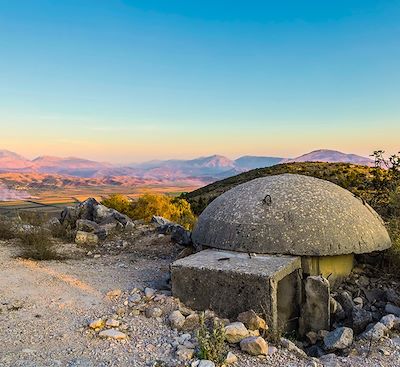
x=207, y=168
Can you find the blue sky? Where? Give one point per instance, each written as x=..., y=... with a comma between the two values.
x=133, y=80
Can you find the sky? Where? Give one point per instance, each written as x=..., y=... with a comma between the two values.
x=126, y=81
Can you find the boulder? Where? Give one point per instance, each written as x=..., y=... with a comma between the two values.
x=86, y=225
x=181, y=236
x=392, y=309
x=346, y=301
x=390, y=321
x=252, y=321
x=153, y=312
x=230, y=358
x=361, y=318
x=393, y=297
x=235, y=332
x=375, y=332
x=160, y=221
x=254, y=345
x=340, y=338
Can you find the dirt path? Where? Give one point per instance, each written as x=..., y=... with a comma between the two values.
x=45, y=308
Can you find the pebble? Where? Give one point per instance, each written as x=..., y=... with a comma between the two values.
x=112, y=334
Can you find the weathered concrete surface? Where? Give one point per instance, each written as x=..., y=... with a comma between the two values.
x=233, y=282
x=291, y=214
x=315, y=314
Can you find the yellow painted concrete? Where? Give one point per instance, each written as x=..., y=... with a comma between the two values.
x=331, y=267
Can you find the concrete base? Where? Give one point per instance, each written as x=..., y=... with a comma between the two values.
x=232, y=282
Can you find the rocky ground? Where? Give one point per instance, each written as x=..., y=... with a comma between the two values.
x=46, y=308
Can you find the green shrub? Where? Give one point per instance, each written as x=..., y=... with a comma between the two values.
x=212, y=345
x=62, y=232
x=38, y=244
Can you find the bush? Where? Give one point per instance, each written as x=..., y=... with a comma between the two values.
x=37, y=244
x=62, y=232
x=175, y=209
x=212, y=344
x=7, y=231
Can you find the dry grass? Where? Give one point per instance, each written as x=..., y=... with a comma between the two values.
x=7, y=231
x=38, y=244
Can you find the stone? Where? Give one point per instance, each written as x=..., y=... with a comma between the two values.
x=153, y=312
x=206, y=363
x=340, y=338
x=392, y=309
x=230, y=358
x=255, y=217
x=184, y=354
x=290, y=346
x=192, y=322
x=177, y=320
x=129, y=226
x=112, y=323
x=333, y=305
x=235, y=332
x=363, y=281
x=149, y=293
x=254, y=345
x=134, y=298
x=96, y=324
x=181, y=236
x=112, y=334
x=86, y=225
x=252, y=321
x=85, y=238
x=358, y=302
x=160, y=221
x=361, y=318
x=376, y=332
x=330, y=360
x=101, y=213
x=312, y=337
x=393, y=297
x=234, y=282
x=390, y=321
x=115, y=293
x=316, y=310
x=346, y=301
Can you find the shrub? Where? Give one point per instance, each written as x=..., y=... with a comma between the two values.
x=37, y=244
x=33, y=218
x=175, y=209
x=120, y=203
x=212, y=344
x=7, y=230
x=62, y=232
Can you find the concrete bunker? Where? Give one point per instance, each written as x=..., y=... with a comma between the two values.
x=317, y=224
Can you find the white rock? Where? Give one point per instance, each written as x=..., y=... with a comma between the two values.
x=113, y=334
x=390, y=321
x=339, y=338
x=206, y=363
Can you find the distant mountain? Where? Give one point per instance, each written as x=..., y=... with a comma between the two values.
x=69, y=166
x=10, y=161
x=249, y=162
x=205, y=169
x=331, y=156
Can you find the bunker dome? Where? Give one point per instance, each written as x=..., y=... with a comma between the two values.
x=294, y=215
x=269, y=240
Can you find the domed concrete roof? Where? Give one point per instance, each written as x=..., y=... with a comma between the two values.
x=291, y=214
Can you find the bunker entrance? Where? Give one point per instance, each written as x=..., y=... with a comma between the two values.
x=288, y=294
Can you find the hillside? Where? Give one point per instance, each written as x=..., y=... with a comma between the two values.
x=355, y=178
